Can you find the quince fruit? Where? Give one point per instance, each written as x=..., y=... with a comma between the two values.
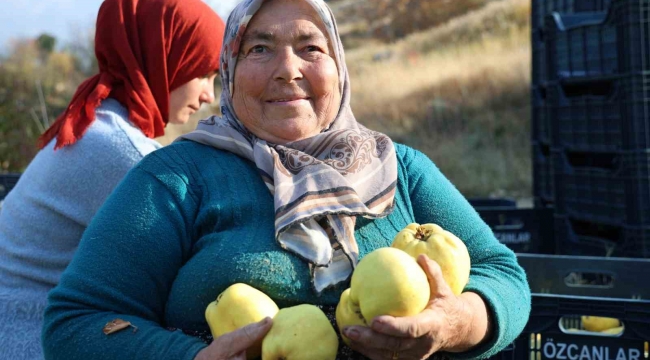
x=597, y=323
x=387, y=281
x=300, y=332
x=440, y=246
x=347, y=315
x=613, y=331
x=237, y=306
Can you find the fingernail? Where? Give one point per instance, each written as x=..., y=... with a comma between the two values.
x=352, y=334
x=265, y=321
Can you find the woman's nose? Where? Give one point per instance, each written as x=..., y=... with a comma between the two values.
x=288, y=66
x=207, y=95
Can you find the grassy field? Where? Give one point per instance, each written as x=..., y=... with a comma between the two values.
x=459, y=92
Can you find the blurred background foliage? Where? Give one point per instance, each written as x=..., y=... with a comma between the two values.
x=448, y=77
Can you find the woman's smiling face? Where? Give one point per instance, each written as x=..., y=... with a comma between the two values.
x=286, y=84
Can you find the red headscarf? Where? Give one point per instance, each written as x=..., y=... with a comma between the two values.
x=145, y=50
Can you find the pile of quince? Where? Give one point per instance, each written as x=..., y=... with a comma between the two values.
x=387, y=281
x=298, y=332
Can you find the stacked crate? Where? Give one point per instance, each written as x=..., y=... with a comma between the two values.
x=542, y=79
x=554, y=329
x=543, y=185
x=591, y=105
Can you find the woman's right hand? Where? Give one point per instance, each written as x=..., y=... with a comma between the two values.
x=233, y=345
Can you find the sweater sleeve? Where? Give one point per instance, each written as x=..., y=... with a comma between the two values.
x=495, y=274
x=123, y=269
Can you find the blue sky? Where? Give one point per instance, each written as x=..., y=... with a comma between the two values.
x=61, y=18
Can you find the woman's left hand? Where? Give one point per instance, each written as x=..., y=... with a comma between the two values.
x=444, y=325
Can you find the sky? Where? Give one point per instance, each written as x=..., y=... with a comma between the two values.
x=61, y=18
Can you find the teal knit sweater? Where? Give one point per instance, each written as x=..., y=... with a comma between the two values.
x=190, y=220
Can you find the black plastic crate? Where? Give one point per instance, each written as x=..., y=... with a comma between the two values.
x=621, y=278
x=635, y=111
x=600, y=115
x=603, y=43
x=565, y=288
x=7, y=182
x=633, y=24
x=539, y=77
x=542, y=8
x=527, y=230
x=603, y=188
x=586, y=116
x=540, y=110
x=543, y=181
x=579, y=237
x=493, y=203
x=581, y=45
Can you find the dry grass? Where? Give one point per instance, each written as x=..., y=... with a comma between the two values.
x=458, y=92
x=468, y=109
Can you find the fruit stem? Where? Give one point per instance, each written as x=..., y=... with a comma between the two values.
x=422, y=233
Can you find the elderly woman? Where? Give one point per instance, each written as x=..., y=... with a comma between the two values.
x=284, y=192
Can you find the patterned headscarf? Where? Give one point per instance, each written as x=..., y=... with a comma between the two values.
x=320, y=184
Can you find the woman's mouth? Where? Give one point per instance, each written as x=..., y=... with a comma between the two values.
x=288, y=101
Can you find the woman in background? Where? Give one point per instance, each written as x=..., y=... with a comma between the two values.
x=157, y=63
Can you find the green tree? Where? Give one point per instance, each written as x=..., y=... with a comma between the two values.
x=36, y=83
x=46, y=43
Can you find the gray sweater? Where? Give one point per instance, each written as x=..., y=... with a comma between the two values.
x=44, y=216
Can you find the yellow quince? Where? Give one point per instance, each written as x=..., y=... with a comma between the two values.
x=300, y=332
x=440, y=246
x=386, y=281
x=613, y=331
x=597, y=323
x=237, y=306
x=348, y=314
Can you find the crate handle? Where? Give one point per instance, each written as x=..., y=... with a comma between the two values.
x=605, y=162
x=564, y=21
x=589, y=279
x=579, y=88
x=509, y=227
x=596, y=231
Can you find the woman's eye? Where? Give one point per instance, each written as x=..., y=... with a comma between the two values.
x=258, y=49
x=312, y=48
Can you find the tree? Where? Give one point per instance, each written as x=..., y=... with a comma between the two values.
x=46, y=43
x=36, y=83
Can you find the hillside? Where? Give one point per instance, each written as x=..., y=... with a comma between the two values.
x=458, y=91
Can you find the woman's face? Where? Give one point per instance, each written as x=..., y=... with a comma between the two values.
x=286, y=84
x=188, y=98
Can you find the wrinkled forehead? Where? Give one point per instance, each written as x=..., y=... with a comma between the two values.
x=242, y=15
x=288, y=19
x=240, y=18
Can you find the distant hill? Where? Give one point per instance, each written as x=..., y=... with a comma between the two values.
x=389, y=20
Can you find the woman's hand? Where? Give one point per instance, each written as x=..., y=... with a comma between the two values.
x=233, y=345
x=449, y=323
